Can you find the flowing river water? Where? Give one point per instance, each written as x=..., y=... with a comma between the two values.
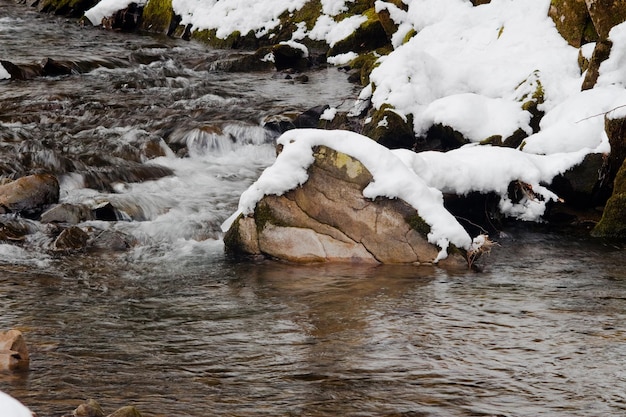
x=176, y=328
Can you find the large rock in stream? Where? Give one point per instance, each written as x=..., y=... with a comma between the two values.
x=327, y=219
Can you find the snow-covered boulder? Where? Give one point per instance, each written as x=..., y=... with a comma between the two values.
x=327, y=219
x=339, y=196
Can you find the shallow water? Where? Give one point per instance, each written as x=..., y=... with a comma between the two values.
x=176, y=328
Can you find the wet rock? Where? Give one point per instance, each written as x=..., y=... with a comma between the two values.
x=13, y=351
x=327, y=219
x=22, y=72
x=89, y=408
x=72, y=239
x=287, y=56
x=310, y=118
x=29, y=195
x=110, y=240
x=245, y=62
x=128, y=411
x=579, y=185
x=126, y=20
x=67, y=213
x=53, y=68
x=613, y=221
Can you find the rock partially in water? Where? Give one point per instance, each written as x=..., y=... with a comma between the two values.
x=327, y=219
x=89, y=408
x=67, y=213
x=72, y=239
x=13, y=351
x=29, y=195
x=127, y=411
x=613, y=222
x=287, y=56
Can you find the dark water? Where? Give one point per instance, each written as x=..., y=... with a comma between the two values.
x=177, y=329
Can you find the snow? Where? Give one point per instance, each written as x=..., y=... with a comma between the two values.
x=13, y=408
x=478, y=117
x=329, y=114
x=107, y=8
x=484, y=51
x=4, y=74
x=342, y=59
x=331, y=31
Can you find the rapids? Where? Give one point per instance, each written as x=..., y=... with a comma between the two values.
x=176, y=328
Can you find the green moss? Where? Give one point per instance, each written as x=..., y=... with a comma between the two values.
x=308, y=14
x=408, y=36
x=157, y=15
x=495, y=140
x=233, y=41
x=418, y=224
x=366, y=63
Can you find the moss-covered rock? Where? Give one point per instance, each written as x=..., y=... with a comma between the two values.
x=613, y=222
x=369, y=36
x=233, y=41
x=158, y=16
x=443, y=138
x=365, y=63
x=387, y=127
x=573, y=22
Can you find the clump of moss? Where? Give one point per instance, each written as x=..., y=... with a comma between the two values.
x=157, y=16
x=418, y=224
x=233, y=41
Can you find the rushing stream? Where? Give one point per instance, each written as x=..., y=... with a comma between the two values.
x=176, y=328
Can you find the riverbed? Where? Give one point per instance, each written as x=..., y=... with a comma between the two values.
x=177, y=328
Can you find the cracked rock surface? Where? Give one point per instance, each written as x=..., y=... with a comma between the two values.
x=327, y=219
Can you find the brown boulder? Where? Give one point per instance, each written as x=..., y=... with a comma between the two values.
x=605, y=14
x=13, y=351
x=327, y=219
x=29, y=195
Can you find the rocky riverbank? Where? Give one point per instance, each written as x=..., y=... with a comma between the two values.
x=583, y=190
